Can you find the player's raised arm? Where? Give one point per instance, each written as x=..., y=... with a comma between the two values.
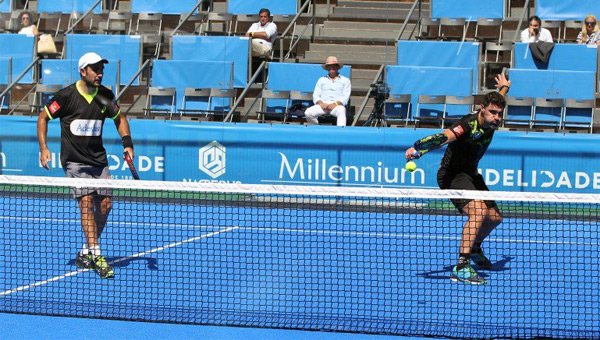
x=429, y=143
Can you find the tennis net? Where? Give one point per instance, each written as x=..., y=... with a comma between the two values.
x=370, y=260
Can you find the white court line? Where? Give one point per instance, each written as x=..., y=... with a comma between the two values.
x=56, y=278
x=349, y=233
x=109, y=223
x=413, y=236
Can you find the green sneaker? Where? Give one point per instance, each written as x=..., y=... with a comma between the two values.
x=467, y=275
x=481, y=261
x=84, y=261
x=102, y=267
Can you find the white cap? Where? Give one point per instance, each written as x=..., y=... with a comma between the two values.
x=90, y=58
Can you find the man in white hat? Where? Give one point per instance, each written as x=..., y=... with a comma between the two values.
x=331, y=94
x=82, y=108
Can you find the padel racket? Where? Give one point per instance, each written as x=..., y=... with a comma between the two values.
x=131, y=166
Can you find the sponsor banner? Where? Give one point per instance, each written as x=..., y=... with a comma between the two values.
x=315, y=155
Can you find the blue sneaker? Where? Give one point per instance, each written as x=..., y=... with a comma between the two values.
x=481, y=261
x=467, y=275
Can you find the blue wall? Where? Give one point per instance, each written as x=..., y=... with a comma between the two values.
x=67, y=6
x=19, y=47
x=213, y=48
x=469, y=9
x=566, y=9
x=248, y=153
x=440, y=54
x=253, y=6
x=161, y=6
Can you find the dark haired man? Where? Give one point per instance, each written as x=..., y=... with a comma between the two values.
x=535, y=32
x=263, y=34
x=468, y=140
x=82, y=108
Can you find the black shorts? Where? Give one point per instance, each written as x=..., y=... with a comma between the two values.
x=463, y=181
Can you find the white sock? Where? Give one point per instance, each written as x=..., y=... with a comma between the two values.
x=85, y=249
x=95, y=251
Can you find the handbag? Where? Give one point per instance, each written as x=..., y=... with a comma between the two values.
x=46, y=44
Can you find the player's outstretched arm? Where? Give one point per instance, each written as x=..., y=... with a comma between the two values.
x=429, y=143
x=42, y=133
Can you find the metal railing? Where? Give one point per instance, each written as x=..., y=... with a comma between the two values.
x=525, y=11
x=188, y=15
x=9, y=87
x=72, y=27
x=378, y=77
x=289, y=27
x=410, y=13
x=259, y=71
x=128, y=85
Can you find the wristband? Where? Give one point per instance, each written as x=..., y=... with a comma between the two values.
x=503, y=86
x=127, y=142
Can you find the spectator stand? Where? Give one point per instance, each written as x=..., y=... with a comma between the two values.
x=456, y=18
x=215, y=48
x=65, y=11
x=189, y=78
x=417, y=81
x=124, y=48
x=569, y=74
x=21, y=58
x=449, y=54
x=566, y=9
x=288, y=7
x=288, y=77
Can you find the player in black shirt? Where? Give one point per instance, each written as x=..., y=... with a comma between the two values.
x=82, y=108
x=468, y=140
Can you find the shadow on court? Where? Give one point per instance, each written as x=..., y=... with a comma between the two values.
x=444, y=274
x=151, y=263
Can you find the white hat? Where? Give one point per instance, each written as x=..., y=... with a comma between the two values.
x=331, y=60
x=90, y=58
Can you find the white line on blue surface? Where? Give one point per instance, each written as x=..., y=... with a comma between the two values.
x=60, y=277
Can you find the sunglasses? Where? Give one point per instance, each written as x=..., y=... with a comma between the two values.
x=590, y=23
x=25, y=18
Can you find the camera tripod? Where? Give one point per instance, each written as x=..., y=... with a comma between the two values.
x=376, y=118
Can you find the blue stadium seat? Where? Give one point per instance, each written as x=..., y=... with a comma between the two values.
x=397, y=108
x=548, y=113
x=578, y=114
x=518, y=112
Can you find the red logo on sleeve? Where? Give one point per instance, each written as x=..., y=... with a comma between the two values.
x=458, y=130
x=54, y=107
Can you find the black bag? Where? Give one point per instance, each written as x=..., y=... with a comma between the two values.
x=297, y=110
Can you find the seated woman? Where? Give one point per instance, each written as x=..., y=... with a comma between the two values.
x=590, y=31
x=26, y=23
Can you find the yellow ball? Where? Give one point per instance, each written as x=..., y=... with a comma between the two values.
x=411, y=166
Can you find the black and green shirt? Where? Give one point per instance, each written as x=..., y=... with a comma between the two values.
x=81, y=121
x=472, y=141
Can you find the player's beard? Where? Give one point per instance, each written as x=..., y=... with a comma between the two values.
x=91, y=83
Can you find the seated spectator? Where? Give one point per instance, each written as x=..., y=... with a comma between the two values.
x=263, y=34
x=331, y=94
x=535, y=32
x=590, y=31
x=26, y=24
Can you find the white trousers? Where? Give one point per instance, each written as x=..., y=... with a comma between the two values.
x=315, y=111
x=259, y=49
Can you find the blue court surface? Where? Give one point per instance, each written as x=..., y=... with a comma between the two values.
x=258, y=265
x=17, y=326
